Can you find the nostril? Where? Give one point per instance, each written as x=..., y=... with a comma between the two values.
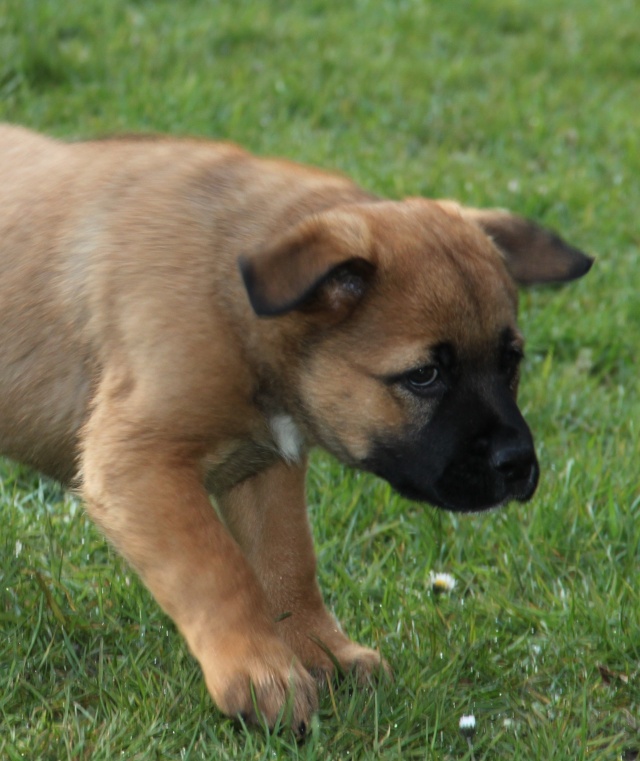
x=515, y=463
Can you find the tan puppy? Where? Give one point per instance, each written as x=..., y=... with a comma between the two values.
x=143, y=364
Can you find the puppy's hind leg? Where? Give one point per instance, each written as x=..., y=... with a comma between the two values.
x=268, y=516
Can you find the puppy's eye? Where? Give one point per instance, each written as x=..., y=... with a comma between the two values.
x=422, y=378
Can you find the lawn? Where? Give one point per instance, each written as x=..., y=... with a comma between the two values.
x=531, y=106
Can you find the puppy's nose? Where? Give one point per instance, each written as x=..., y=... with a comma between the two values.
x=514, y=460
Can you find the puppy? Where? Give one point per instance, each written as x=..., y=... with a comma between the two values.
x=181, y=321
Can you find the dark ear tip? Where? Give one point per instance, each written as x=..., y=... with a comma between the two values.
x=581, y=266
x=588, y=263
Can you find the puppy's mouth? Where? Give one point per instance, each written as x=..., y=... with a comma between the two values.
x=498, y=495
x=467, y=489
x=463, y=487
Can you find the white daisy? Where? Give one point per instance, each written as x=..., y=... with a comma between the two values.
x=441, y=583
x=467, y=725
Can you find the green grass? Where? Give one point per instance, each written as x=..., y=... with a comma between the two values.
x=533, y=106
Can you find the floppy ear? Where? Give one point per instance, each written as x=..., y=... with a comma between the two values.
x=533, y=254
x=327, y=255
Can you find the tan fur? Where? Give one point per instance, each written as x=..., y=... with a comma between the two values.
x=134, y=366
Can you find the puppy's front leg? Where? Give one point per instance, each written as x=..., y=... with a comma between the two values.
x=145, y=492
x=268, y=516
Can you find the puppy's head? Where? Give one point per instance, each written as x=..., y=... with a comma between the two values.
x=398, y=320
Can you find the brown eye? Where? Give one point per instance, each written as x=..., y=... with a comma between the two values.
x=422, y=378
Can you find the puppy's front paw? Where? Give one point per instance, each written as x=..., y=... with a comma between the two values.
x=326, y=651
x=262, y=681
x=349, y=657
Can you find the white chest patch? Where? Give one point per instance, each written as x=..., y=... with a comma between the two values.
x=287, y=437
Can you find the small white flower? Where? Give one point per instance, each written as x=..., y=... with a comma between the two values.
x=441, y=583
x=18, y=547
x=467, y=725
